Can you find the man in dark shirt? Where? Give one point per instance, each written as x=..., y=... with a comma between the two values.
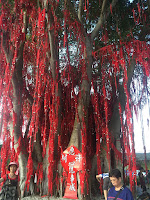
x=122, y=192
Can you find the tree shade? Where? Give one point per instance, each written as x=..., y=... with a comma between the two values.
x=67, y=78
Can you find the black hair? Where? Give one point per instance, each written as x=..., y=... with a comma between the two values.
x=141, y=168
x=115, y=173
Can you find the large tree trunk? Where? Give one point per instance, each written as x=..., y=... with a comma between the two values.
x=17, y=83
x=115, y=123
x=84, y=98
x=81, y=117
x=16, y=113
x=53, y=56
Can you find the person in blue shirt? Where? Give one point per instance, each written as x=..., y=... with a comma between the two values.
x=124, y=192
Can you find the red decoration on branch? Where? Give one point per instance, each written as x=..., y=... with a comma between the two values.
x=111, y=8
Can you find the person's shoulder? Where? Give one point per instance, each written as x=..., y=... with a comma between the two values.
x=112, y=188
x=111, y=192
x=128, y=192
x=4, y=176
x=127, y=189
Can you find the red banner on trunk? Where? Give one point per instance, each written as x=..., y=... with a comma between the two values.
x=71, y=160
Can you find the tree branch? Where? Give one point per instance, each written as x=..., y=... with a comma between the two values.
x=74, y=15
x=7, y=52
x=103, y=7
x=80, y=10
x=102, y=19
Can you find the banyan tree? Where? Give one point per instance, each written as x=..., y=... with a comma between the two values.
x=72, y=72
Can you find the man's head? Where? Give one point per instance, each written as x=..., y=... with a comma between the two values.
x=141, y=169
x=115, y=177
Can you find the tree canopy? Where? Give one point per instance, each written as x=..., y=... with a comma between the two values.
x=69, y=72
